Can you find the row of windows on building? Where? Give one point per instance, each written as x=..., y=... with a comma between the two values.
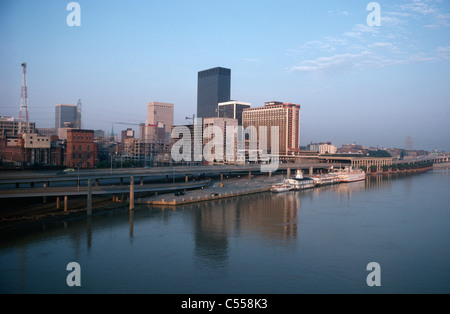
x=80, y=156
x=81, y=137
x=80, y=148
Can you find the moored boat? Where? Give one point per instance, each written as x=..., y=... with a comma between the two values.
x=325, y=179
x=299, y=182
x=348, y=174
x=281, y=187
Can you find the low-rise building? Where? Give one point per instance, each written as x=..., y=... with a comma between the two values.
x=323, y=148
x=81, y=151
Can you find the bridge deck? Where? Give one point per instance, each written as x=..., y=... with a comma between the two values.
x=100, y=190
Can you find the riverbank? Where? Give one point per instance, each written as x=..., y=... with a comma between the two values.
x=232, y=187
x=30, y=215
x=441, y=165
x=25, y=217
x=45, y=214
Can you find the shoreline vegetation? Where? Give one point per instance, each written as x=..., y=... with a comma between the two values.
x=399, y=168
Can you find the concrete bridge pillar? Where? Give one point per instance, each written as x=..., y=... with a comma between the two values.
x=186, y=178
x=288, y=172
x=65, y=202
x=131, y=193
x=142, y=181
x=249, y=174
x=89, y=198
x=57, y=202
x=45, y=197
x=311, y=170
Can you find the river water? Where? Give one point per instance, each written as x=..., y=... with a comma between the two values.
x=313, y=241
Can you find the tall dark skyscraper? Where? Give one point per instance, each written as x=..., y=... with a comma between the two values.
x=65, y=113
x=214, y=86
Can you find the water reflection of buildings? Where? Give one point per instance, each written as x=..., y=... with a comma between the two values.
x=347, y=189
x=378, y=182
x=272, y=216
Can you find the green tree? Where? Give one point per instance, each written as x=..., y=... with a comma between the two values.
x=379, y=153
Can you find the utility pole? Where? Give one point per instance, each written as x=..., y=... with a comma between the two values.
x=193, y=125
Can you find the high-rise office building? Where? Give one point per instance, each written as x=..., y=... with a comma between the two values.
x=283, y=115
x=213, y=87
x=65, y=114
x=220, y=143
x=233, y=110
x=159, y=121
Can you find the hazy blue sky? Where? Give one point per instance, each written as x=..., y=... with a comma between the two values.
x=355, y=83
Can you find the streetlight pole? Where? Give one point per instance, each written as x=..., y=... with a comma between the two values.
x=193, y=125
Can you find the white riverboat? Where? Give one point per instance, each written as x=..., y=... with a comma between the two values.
x=300, y=182
x=325, y=179
x=348, y=174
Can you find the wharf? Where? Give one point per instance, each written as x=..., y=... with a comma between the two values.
x=230, y=188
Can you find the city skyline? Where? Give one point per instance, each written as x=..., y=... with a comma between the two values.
x=355, y=83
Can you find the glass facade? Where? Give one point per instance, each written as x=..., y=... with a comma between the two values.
x=214, y=86
x=233, y=110
x=65, y=113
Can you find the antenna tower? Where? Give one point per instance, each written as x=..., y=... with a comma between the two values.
x=24, y=102
x=79, y=114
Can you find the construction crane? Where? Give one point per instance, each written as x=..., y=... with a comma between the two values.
x=191, y=118
x=138, y=124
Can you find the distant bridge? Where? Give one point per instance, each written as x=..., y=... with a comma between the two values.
x=379, y=162
x=433, y=159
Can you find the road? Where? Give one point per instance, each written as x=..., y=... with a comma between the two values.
x=155, y=174
x=101, y=190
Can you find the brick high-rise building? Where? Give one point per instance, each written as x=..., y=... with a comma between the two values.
x=81, y=150
x=284, y=115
